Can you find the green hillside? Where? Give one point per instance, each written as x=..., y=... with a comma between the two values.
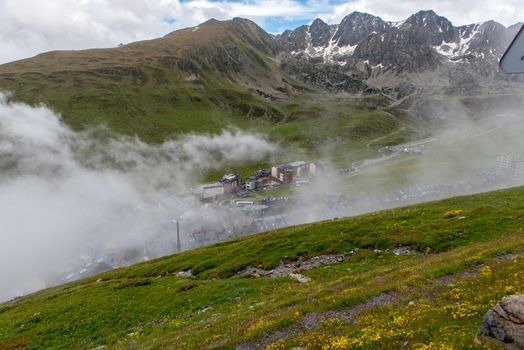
x=228, y=74
x=186, y=81
x=204, y=79
x=414, y=277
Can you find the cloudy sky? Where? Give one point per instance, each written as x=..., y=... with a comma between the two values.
x=29, y=27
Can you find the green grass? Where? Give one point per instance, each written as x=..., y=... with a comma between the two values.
x=147, y=306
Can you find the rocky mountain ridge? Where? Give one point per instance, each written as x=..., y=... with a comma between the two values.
x=422, y=42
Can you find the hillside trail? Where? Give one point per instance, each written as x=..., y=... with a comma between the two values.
x=378, y=139
x=399, y=101
x=403, y=127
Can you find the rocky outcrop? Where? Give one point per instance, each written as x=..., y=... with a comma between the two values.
x=505, y=322
x=403, y=49
x=329, y=77
x=294, y=40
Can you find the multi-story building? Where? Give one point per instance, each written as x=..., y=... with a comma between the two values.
x=260, y=179
x=208, y=191
x=231, y=183
x=299, y=170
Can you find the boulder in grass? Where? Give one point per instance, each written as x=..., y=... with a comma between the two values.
x=505, y=322
x=300, y=278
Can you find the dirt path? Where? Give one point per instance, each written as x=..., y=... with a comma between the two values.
x=398, y=102
x=401, y=129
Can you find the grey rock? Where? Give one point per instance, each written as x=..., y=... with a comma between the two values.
x=187, y=273
x=246, y=346
x=403, y=251
x=300, y=278
x=294, y=40
x=505, y=322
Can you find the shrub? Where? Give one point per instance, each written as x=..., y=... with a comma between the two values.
x=453, y=213
x=133, y=282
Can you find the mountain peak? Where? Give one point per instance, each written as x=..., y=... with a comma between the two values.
x=492, y=25
x=320, y=33
x=422, y=17
x=211, y=21
x=358, y=18
x=318, y=23
x=426, y=13
x=356, y=26
x=430, y=27
x=244, y=21
x=358, y=14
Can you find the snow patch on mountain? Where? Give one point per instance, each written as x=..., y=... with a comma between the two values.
x=460, y=47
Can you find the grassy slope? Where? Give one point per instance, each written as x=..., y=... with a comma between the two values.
x=462, y=270
x=156, y=89
x=156, y=112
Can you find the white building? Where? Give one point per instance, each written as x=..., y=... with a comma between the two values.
x=208, y=191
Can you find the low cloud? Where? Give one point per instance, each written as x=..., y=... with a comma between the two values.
x=65, y=194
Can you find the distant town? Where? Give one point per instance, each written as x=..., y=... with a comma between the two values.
x=298, y=172
x=295, y=172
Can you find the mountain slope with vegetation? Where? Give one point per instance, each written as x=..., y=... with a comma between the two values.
x=215, y=76
x=198, y=79
x=232, y=74
x=415, y=277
